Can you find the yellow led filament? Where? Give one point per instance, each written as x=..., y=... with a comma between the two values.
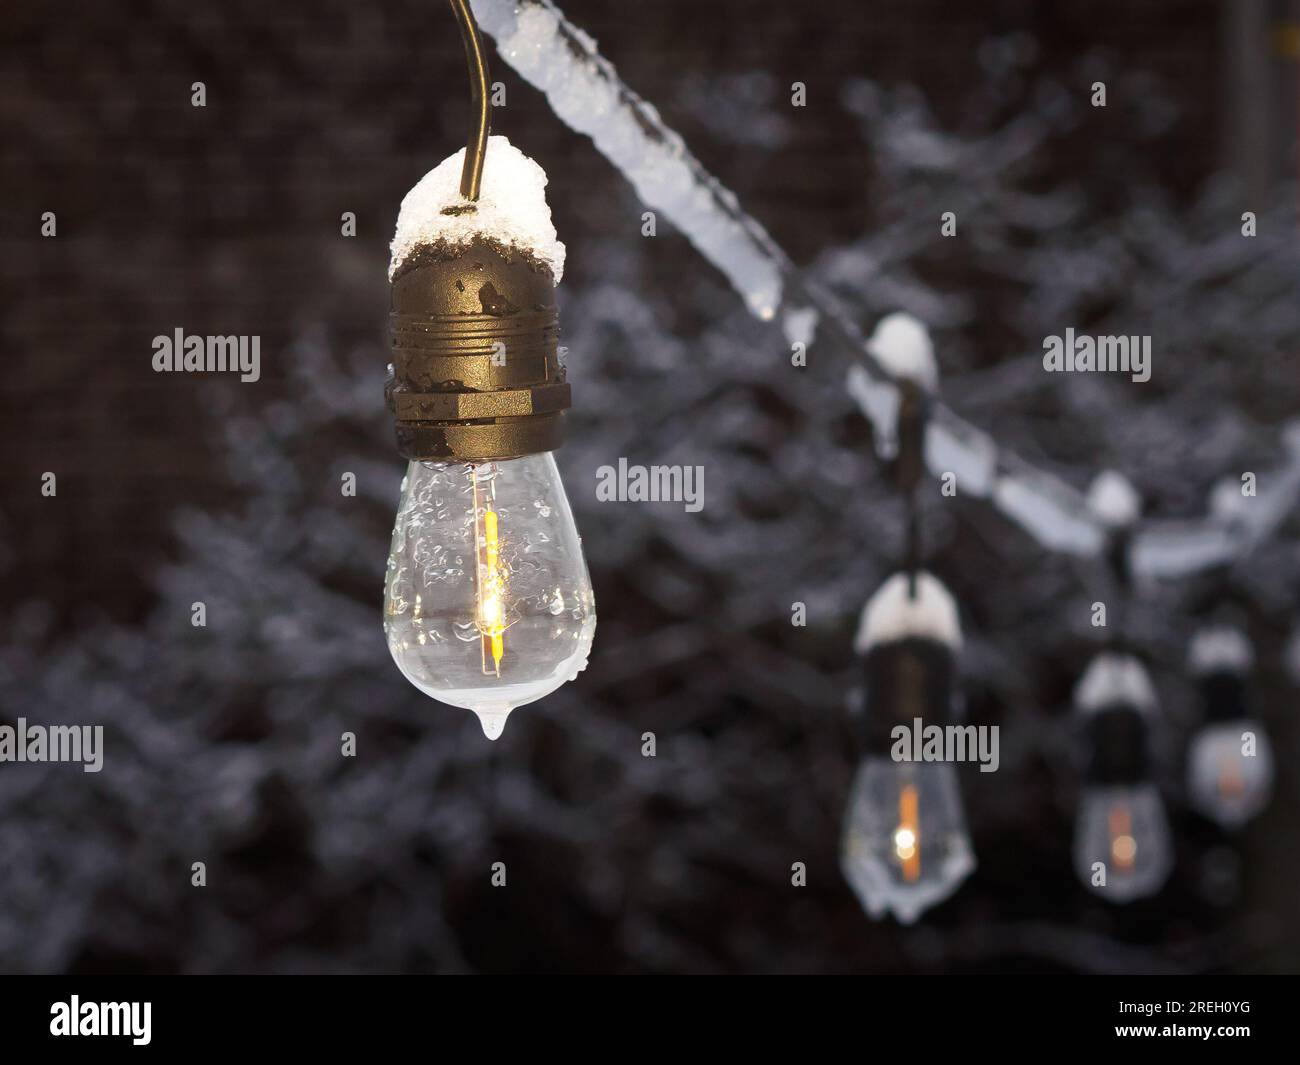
x=491, y=585
x=491, y=591
x=907, y=841
x=1123, y=847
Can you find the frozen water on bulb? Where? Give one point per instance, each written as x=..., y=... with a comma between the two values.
x=492, y=721
x=476, y=571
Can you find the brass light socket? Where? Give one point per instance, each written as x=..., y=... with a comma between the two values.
x=476, y=373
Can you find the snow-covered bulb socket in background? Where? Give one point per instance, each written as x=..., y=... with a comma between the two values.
x=894, y=613
x=1230, y=761
x=901, y=345
x=487, y=601
x=1122, y=846
x=511, y=209
x=905, y=846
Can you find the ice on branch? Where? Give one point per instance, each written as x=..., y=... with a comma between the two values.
x=951, y=446
x=1050, y=511
x=878, y=402
x=1236, y=522
x=895, y=613
x=585, y=91
x=511, y=209
x=1177, y=548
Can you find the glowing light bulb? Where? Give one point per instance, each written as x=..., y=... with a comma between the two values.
x=905, y=845
x=1124, y=828
x=487, y=602
x=1230, y=772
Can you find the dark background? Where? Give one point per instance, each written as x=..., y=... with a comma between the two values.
x=223, y=743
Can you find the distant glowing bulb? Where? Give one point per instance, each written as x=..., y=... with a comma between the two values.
x=1230, y=772
x=905, y=846
x=487, y=601
x=1125, y=830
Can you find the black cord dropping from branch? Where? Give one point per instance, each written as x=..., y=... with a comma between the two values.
x=909, y=470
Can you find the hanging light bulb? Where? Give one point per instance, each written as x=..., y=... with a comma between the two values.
x=1230, y=763
x=905, y=846
x=1125, y=829
x=1122, y=844
x=487, y=601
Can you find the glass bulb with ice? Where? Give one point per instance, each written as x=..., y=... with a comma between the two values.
x=1230, y=772
x=487, y=601
x=1122, y=847
x=905, y=846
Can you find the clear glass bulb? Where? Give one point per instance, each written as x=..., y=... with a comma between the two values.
x=905, y=846
x=1125, y=829
x=1226, y=783
x=487, y=602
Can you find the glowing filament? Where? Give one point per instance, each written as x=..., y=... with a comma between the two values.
x=491, y=623
x=907, y=844
x=1123, y=847
x=491, y=582
x=1231, y=785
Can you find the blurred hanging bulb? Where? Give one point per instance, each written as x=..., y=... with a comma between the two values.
x=487, y=602
x=1230, y=763
x=1125, y=830
x=905, y=845
x=1230, y=772
x=1122, y=845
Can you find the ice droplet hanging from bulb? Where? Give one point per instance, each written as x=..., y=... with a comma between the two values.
x=487, y=601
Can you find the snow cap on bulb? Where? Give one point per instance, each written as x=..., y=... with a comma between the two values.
x=1220, y=649
x=1117, y=700
x=511, y=210
x=893, y=614
x=1221, y=657
x=902, y=346
x=1114, y=679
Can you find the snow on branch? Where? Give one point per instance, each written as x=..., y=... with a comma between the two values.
x=585, y=91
